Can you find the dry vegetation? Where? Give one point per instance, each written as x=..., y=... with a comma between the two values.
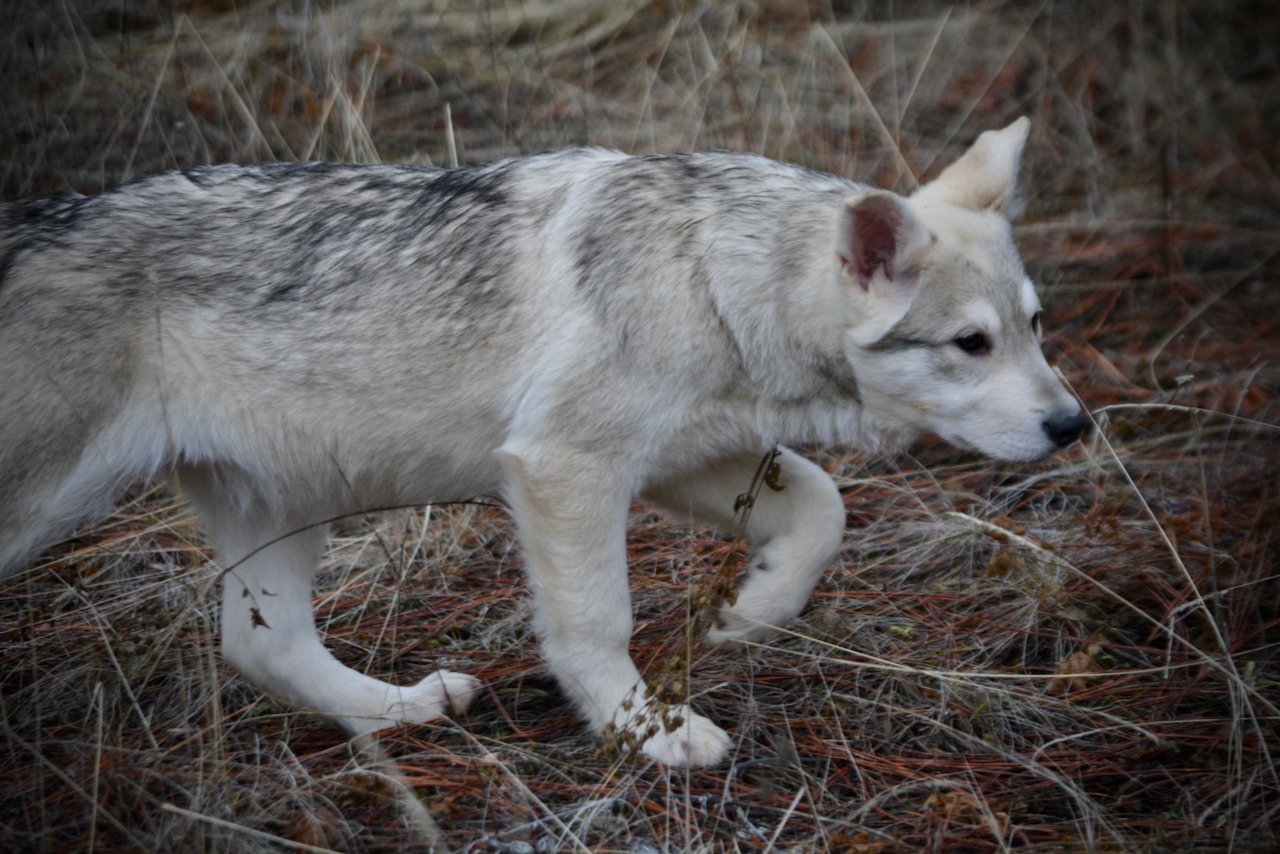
x=1080, y=655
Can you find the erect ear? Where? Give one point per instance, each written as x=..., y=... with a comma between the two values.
x=986, y=176
x=879, y=233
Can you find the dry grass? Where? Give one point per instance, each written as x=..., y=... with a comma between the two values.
x=1073, y=656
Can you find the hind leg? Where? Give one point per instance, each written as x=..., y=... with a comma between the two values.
x=269, y=633
x=794, y=533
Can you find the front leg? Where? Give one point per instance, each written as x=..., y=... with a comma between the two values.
x=794, y=532
x=571, y=511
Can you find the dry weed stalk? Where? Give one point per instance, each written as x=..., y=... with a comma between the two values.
x=667, y=687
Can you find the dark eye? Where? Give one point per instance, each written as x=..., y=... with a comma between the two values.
x=1035, y=322
x=975, y=343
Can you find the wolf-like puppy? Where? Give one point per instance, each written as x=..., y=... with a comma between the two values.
x=568, y=331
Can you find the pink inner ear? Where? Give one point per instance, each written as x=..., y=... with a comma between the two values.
x=875, y=241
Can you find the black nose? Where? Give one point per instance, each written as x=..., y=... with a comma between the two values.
x=1062, y=430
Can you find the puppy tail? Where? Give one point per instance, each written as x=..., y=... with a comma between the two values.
x=76, y=425
x=55, y=476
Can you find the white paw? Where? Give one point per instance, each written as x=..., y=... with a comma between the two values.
x=732, y=628
x=442, y=692
x=697, y=741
